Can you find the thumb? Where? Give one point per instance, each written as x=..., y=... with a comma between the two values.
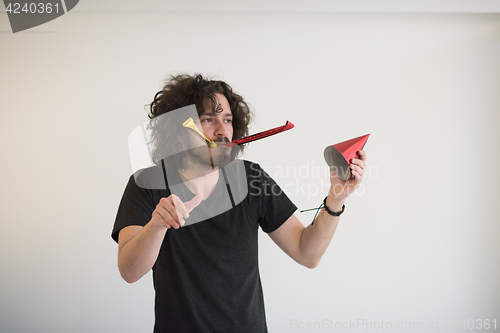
x=193, y=203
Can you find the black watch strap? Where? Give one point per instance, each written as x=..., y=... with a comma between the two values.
x=330, y=212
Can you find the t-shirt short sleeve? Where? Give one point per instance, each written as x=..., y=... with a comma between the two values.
x=136, y=206
x=274, y=205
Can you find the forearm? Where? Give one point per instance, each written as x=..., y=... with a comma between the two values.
x=307, y=245
x=316, y=237
x=137, y=256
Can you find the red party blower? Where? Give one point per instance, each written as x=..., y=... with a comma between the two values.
x=261, y=135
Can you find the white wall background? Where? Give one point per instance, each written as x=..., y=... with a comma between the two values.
x=419, y=242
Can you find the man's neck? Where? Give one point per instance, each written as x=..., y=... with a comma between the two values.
x=200, y=179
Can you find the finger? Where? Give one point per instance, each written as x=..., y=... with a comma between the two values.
x=357, y=177
x=180, y=206
x=358, y=169
x=167, y=205
x=163, y=217
x=358, y=162
x=193, y=203
x=362, y=155
x=168, y=218
x=181, y=219
x=169, y=213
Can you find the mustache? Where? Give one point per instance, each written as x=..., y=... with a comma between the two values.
x=221, y=140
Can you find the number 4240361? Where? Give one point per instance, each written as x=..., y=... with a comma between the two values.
x=32, y=8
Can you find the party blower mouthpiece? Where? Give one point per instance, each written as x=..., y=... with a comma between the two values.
x=339, y=156
x=191, y=125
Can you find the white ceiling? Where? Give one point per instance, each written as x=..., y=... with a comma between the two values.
x=423, y=6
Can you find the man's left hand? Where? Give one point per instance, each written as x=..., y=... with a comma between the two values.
x=344, y=188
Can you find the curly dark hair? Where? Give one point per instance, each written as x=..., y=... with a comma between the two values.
x=183, y=90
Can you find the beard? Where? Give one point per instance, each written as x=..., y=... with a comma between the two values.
x=211, y=157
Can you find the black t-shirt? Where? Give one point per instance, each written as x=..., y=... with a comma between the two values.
x=206, y=277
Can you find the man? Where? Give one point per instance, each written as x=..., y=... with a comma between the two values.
x=206, y=274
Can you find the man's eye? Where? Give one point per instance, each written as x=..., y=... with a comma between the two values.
x=206, y=120
x=229, y=120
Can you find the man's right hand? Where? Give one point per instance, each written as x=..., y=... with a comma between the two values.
x=138, y=247
x=171, y=211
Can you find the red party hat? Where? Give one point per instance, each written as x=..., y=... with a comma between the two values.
x=339, y=156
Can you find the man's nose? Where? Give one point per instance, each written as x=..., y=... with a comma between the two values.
x=220, y=129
